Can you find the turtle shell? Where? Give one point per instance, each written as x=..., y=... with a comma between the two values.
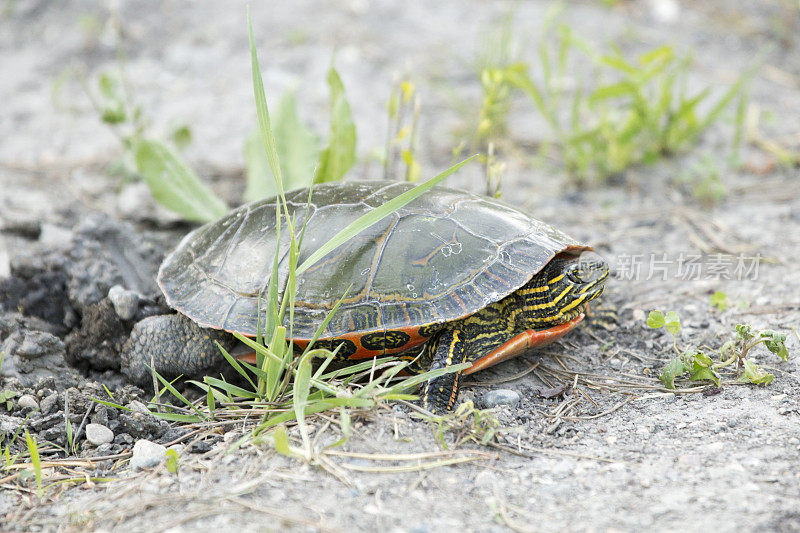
x=442, y=257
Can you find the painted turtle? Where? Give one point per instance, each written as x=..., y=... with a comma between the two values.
x=451, y=277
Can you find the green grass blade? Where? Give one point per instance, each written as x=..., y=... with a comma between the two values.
x=376, y=215
x=354, y=369
x=263, y=112
x=33, y=450
x=173, y=184
x=235, y=364
x=302, y=386
x=229, y=388
x=178, y=395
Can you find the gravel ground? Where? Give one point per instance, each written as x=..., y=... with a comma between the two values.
x=602, y=456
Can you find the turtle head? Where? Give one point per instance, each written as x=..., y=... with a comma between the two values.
x=561, y=291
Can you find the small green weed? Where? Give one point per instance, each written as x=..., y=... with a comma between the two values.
x=703, y=181
x=700, y=366
x=33, y=451
x=637, y=111
x=7, y=397
x=468, y=423
x=719, y=300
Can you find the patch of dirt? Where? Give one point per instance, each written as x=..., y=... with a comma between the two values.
x=613, y=451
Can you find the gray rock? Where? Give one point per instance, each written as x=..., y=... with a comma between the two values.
x=27, y=401
x=33, y=344
x=147, y=454
x=48, y=403
x=123, y=439
x=497, y=397
x=98, y=434
x=34, y=355
x=138, y=407
x=125, y=302
x=10, y=424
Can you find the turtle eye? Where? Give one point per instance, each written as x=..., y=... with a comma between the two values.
x=575, y=275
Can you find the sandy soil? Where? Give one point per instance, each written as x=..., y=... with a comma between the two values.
x=603, y=457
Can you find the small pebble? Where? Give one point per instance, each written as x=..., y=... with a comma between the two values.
x=98, y=434
x=497, y=397
x=27, y=401
x=138, y=407
x=125, y=302
x=147, y=454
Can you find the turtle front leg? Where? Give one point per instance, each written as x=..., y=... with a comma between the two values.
x=439, y=395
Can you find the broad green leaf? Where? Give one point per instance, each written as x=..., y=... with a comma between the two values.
x=172, y=461
x=754, y=374
x=744, y=331
x=173, y=184
x=673, y=322
x=656, y=319
x=701, y=366
x=281, y=440
x=340, y=153
x=674, y=368
x=775, y=343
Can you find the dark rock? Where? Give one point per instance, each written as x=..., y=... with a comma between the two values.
x=100, y=415
x=123, y=439
x=48, y=403
x=46, y=422
x=140, y=425
x=20, y=227
x=201, y=446
x=38, y=287
x=56, y=434
x=174, y=433
x=104, y=253
x=98, y=342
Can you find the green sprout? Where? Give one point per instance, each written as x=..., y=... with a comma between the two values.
x=699, y=364
x=719, y=300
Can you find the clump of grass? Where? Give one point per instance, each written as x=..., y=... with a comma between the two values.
x=699, y=365
x=283, y=388
x=638, y=110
